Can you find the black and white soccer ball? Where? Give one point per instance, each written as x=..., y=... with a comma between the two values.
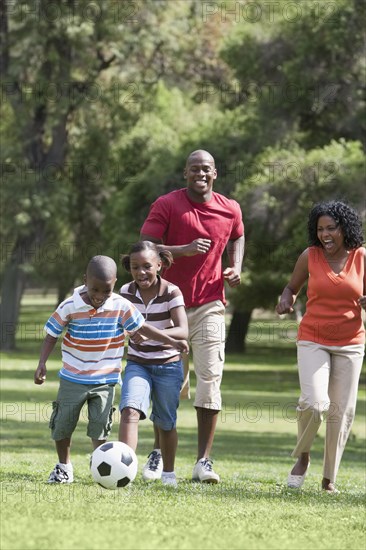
x=113, y=464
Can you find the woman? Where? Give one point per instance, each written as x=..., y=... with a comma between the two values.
x=331, y=336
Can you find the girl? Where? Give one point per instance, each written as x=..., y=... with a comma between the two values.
x=153, y=370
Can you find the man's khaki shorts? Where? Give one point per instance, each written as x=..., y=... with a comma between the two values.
x=207, y=341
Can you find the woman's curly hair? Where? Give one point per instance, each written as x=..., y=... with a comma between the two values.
x=165, y=256
x=344, y=215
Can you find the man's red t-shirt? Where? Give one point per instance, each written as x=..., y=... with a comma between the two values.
x=177, y=220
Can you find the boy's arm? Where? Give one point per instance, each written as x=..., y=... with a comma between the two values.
x=48, y=345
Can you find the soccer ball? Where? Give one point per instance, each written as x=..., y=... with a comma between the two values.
x=113, y=465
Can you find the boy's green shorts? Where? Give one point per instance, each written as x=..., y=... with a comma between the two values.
x=68, y=405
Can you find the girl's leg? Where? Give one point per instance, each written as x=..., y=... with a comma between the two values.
x=135, y=400
x=169, y=442
x=128, y=427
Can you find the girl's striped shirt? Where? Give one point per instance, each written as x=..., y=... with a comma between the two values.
x=157, y=314
x=92, y=347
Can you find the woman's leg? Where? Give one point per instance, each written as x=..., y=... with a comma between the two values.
x=343, y=385
x=314, y=365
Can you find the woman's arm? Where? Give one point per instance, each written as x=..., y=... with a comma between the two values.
x=292, y=289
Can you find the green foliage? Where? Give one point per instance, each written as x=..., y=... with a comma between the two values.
x=102, y=103
x=276, y=200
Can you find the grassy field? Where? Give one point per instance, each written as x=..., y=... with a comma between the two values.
x=250, y=509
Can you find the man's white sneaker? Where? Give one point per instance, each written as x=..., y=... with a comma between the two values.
x=153, y=467
x=169, y=479
x=61, y=475
x=204, y=473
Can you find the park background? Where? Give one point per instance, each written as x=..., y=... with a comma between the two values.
x=101, y=102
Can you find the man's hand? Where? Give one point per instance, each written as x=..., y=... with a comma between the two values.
x=231, y=277
x=198, y=246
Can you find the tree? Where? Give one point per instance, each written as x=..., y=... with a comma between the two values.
x=300, y=86
x=49, y=66
x=278, y=198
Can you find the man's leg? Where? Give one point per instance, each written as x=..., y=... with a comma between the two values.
x=206, y=421
x=207, y=336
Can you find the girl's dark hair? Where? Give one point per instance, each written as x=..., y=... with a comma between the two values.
x=165, y=256
x=342, y=214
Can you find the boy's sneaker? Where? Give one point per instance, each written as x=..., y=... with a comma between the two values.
x=153, y=467
x=204, y=473
x=169, y=479
x=61, y=475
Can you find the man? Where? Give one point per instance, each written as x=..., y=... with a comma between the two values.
x=196, y=225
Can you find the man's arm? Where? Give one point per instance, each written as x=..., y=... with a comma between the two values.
x=235, y=251
x=198, y=246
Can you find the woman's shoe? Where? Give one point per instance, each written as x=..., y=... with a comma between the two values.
x=329, y=487
x=295, y=482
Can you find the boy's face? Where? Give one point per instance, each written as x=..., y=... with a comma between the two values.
x=98, y=291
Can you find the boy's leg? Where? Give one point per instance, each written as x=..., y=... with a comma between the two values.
x=63, y=447
x=100, y=412
x=64, y=417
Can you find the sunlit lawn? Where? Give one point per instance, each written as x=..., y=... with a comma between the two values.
x=250, y=509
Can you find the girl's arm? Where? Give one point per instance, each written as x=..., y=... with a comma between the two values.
x=292, y=289
x=179, y=318
x=163, y=336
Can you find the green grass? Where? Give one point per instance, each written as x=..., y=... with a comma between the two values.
x=250, y=509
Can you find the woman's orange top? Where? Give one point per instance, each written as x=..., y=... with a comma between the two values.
x=333, y=314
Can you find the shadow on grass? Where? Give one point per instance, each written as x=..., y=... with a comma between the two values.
x=243, y=447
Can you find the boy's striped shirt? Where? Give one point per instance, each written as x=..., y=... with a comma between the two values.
x=92, y=347
x=157, y=314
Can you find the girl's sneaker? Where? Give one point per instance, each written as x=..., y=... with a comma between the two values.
x=169, y=479
x=153, y=467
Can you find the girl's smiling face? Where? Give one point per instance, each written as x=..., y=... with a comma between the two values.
x=144, y=268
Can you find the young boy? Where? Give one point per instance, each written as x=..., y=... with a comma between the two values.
x=96, y=319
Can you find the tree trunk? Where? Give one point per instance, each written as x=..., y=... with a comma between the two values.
x=14, y=280
x=238, y=330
